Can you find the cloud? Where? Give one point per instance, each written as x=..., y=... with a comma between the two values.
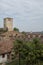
x=27, y=14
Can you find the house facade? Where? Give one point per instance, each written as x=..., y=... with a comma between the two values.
x=5, y=51
x=3, y=58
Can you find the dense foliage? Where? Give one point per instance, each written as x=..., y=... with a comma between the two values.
x=16, y=29
x=28, y=53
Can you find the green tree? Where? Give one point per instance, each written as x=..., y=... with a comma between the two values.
x=37, y=50
x=35, y=54
x=28, y=53
x=16, y=29
x=21, y=49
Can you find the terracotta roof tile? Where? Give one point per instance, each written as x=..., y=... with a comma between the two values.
x=6, y=46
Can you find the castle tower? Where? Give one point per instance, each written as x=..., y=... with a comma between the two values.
x=8, y=23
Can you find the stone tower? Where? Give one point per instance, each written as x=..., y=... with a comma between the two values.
x=8, y=23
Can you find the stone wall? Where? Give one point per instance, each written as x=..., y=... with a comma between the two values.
x=8, y=23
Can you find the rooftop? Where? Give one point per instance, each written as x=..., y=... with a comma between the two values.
x=5, y=46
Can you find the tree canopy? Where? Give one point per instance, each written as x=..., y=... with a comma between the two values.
x=32, y=52
x=16, y=29
x=28, y=53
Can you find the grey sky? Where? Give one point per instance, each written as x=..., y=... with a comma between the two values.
x=27, y=14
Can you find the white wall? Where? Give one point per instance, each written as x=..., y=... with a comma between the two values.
x=3, y=59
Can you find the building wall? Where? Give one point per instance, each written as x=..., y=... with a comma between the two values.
x=8, y=23
x=3, y=59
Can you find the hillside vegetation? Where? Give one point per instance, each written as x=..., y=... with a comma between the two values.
x=27, y=53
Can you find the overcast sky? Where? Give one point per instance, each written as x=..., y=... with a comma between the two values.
x=27, y=14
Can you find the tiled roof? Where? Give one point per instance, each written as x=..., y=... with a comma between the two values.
x=5, y=46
